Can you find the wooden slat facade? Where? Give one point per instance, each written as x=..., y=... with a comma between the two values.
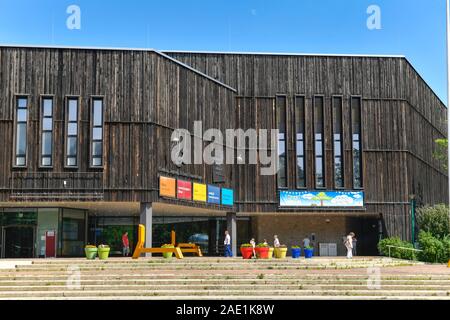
x=401, y=118
x=147, y=95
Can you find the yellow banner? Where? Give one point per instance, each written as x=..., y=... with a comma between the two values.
x=199, y=192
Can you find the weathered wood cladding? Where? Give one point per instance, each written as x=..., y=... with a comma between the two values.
x=401, y=118
x=146, y=96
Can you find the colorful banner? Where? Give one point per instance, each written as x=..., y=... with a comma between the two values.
x=213, y=194
x=184, y=190
x=227, y=197
x=295, y=198
x=167, y=187
x=199, y=192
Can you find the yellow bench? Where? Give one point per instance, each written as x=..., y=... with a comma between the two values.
x=140, y=246
x=186, y=247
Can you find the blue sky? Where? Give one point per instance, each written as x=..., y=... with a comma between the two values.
x=414, y=28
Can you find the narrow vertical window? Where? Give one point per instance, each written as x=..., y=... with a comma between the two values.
x=21, y=131
x=319, y=142
x=337, y=143
x=356, y=141
x=300, y=140
x=72, y=132
x=97, y=133
x=281, y=125
x=46, y=132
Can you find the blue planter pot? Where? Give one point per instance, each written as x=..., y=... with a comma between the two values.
x=296, y=253
x=309, y=253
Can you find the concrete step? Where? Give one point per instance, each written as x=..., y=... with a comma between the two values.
x=254, y=281
x=230, y=293
x=249, y=287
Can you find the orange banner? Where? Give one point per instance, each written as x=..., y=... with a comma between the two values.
x=167, y=187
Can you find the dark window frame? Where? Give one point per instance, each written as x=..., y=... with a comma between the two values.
x=41, y=130
x=16, y=122
x=361, y=187
x=94, y=98
x=285, y=137
x=68, y=98
x=341, y=141
x=322, y=140
x=305, y=176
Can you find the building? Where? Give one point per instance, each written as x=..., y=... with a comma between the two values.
x=87, y=140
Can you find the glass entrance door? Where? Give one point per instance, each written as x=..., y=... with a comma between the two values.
x=18, y=241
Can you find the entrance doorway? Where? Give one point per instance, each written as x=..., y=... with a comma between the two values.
x=18, y=241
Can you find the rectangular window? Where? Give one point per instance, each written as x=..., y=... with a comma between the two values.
x=281, y=125
x=319, y=142
x=72, y=132
x=97, y=132
x=337, y=143
x=21, y=131
x=46, y=132
x=356, y=141
x=300, y=140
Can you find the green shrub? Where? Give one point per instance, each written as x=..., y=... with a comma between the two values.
x=434, y=250
x=262, y=245
x=434, y=220
x=246, y=245
x=395, y=252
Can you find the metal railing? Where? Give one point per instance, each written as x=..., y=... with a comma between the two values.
x=403, y=248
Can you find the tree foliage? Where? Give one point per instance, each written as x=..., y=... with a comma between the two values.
x=435, y=220
x=441, y=151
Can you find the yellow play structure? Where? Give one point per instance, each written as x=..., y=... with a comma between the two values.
x=178, y=249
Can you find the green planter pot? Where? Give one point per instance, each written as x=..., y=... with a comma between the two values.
x=103, y=253
x=91, y=253
x=168, y=255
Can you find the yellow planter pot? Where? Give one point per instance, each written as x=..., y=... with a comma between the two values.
x=270, y=255
x=280, y=253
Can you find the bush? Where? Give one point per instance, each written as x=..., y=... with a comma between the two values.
x=434, y=220
x=395, y=252
x=262, y=245
x=434, y=249
x=246, y=245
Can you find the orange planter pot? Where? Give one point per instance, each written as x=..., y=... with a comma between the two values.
x=247, y=252
x=262, y=252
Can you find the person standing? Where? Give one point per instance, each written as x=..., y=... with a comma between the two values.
x=306, y=242
x=349, y=245
x=125, y=245
x=276, y=241
x=227, y=245
x=354, y=245
x=253, y=243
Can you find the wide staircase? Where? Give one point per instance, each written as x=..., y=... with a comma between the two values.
x=223, y=278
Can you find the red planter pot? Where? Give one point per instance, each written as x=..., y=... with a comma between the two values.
x=247, y=252
x=262, y=252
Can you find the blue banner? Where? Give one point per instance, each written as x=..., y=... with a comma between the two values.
x=213, y=194
x=296, y=198
x=227, y=197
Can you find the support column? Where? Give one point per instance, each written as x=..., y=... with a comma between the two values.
x=231, y=227
x=146, y=218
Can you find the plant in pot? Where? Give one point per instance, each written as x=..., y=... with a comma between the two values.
x=90, y=251
x=280, y=252
x=167, y=255
x=246, y=250
x=262, y=251
x=296, y=252
x=309, y=251
x=103, y=251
